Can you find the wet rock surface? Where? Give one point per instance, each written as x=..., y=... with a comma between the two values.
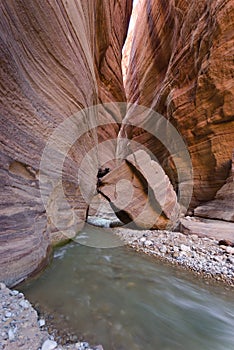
x=20, y=327
x=202, y=255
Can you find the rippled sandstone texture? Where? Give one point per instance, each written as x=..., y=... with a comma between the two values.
x=56, y=58
x=181, y=65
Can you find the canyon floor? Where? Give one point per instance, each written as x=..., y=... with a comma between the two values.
x=22, y=328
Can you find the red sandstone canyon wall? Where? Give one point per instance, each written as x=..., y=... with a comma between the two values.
x=181, y=65
x=56, y=59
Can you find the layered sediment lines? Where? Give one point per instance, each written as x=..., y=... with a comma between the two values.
x=56, y=59
x=181, y=65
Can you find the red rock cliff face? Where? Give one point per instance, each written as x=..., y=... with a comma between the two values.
x=111, y=30
x=181, y=65
x=56, y=59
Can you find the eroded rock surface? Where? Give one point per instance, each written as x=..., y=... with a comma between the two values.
x=181, y=66
x=216, y=229
x=141, y=193
x=56, y=59
x=158, y=182
x=222, y=207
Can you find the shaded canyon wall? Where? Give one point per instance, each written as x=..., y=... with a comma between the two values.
x=56, y=59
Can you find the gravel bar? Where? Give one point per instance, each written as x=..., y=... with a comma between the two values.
x=202, y=255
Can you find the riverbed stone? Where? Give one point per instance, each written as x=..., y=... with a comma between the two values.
x=24, y=304
x=49, y=345
x=41, y=323
x=14, y=292
x=11, y=334
x=230, y=250
x=2, y=286
x=230, y=260
x=148, y=243
x=185, y=248
x=8, y=314
x=163, y=249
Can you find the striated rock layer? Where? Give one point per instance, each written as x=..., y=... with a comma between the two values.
x=56, y=59
x=222, y=206
x=181, y=65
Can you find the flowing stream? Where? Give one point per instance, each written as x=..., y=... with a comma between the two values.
x=128, y=301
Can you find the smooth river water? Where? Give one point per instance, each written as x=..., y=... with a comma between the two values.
x=128, y=301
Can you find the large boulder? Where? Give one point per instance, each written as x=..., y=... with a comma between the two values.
x=216, y=229
x=141, y=193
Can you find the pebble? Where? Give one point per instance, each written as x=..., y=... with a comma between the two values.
x=24, y=304
x=49, y=345
x=194, y=237
x=14, y=292
x=163, y=249
x=2, y=286
x=148, y=243
x=175, y=255
x=11, y=334
x=230, y=250
x=41, y=323
x=218, y=258
x=230, y=260
x=82, y=346
x=185, y=248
